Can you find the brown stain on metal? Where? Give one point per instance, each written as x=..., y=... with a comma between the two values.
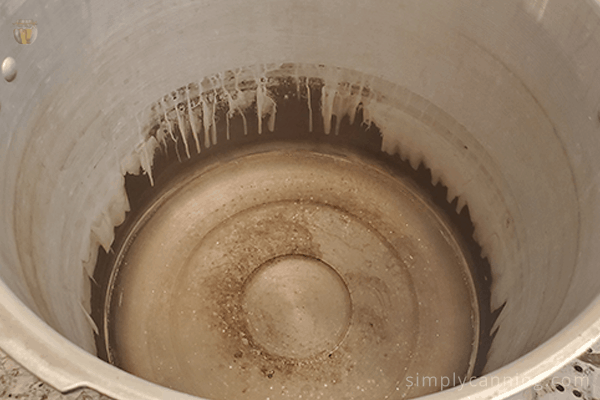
x=227, y=290
x=179, y=119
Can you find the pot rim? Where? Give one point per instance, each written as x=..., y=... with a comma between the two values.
x=66, y=367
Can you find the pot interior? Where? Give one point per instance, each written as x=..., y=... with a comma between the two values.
x=498, y=102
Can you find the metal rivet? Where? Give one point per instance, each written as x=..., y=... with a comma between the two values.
x=9, y=69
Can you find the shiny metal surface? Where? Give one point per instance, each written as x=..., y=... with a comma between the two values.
x=499, y=99
x=9, y=69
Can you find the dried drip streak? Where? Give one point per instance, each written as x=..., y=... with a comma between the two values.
x=216, y=113
x=191, y=114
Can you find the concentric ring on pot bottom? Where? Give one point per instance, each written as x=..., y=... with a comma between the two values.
x=393, y=283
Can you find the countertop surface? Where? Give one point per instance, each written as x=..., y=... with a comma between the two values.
x=17, y=383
